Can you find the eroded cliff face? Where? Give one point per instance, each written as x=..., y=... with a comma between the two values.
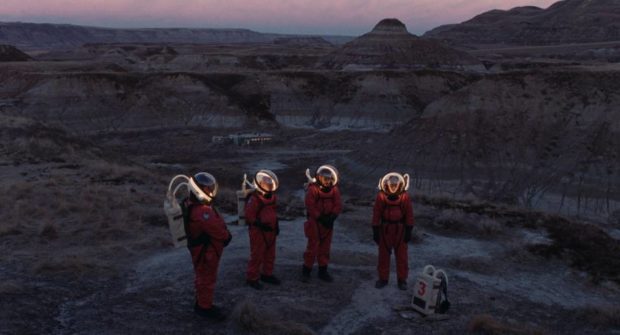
x=113, y=101
x=515, y=136
x=580, y=98
x=371, y=101
x=389, y=45
x=98, y=99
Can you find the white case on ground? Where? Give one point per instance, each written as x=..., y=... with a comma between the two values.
x=426, y=290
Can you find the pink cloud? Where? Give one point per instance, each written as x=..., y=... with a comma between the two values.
x=319, y=16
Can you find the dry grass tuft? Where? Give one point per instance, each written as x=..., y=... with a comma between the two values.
x=250, y=320
x=11, y=287
x=486, y=324
x=48, y=231
x=600, y=317
x=102, y=211
x=417, y=235
x=72, y=264
x=473, y=264
x=458, y=221
x=353, y=258
x=9, y=231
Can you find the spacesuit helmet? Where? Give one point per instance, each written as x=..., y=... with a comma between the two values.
x=394, y=183
x=327, y=176
x=203, y=186
x=265, y=181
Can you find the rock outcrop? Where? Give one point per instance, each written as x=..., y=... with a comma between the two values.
x=389, y=45
x=9, y=53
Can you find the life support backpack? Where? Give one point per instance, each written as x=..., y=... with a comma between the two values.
x=178, y=215
x=174, y=213
x=430, y=292
x=243, y=195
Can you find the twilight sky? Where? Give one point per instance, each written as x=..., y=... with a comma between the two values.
x=346, y=17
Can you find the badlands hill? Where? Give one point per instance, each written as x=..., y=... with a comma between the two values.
x=390, y=45
x=568, y=21
x=34, y=36
x=514, y=137
x=9, y=53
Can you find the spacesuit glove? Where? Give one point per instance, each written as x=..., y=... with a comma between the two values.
x=375, y=234
x=227, y=241
x=408, y=230
x=325, y=222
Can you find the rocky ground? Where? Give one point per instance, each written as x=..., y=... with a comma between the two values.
x=85, y=249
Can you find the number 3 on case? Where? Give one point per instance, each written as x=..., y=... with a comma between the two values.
x=422, y=288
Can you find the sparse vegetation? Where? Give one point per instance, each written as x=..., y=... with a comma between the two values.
x=73, y=265
x=486, y=324
x=251, y=320
x=602, y=317
x=473, y=224
x=587, y=246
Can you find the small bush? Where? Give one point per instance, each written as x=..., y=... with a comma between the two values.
x=11, y=287
x=71, y=264
x=600, y=317
x=250, y=320
x=48, y=231
x=471, y=224
x=473, y=264
x=486, y=324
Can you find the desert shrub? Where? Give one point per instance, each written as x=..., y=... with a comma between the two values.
x=600, y=317
x=473, y=264
x=48, y=231
x=588, y=247
x=417, y=235
x=8, y=229
x=11, y=287
x=614, y=218
x=486, y=324
x=59, y=207
x=74, y=264
x=249, y=319
x=471, y=224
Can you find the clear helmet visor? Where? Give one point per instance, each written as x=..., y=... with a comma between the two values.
x=327, y=176
x=394, y=183
x=266, y=181
x=204, y=186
